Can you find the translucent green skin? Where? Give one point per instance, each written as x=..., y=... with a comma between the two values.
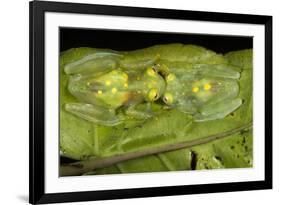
x=191, y=66
x=207, y=92
x=102, y=86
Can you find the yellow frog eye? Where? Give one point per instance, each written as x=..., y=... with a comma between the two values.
x=168, y=98
x=150, y=71
x=153, y=94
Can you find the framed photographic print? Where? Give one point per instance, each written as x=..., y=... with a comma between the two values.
x=140, y=102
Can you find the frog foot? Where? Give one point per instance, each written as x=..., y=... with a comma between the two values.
x=93, y=113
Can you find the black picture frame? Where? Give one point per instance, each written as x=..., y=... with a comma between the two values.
x=37, y=9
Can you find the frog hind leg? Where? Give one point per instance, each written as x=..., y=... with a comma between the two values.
x=97, y=62
x=132, y=64
x=93, y=113
x=219, y=70
x=218, y=110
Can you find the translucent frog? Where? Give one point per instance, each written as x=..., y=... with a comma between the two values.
x=208, y=92
x=102, y=85
x=104, y=81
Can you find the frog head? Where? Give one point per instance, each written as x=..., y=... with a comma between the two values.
x=153, y=85
x=173, y=89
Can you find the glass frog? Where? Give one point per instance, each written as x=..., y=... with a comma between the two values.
x=102, y=85
x=208, y=92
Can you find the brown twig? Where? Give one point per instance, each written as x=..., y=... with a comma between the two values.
x=81, y=167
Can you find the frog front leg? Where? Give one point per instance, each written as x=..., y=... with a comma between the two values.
x=94, y=113
x=100, y=61
x=144, y=113
x=106, y=116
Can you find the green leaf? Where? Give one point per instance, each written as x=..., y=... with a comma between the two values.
x=82, y=140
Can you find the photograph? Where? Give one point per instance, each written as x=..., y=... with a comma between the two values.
x=142, y=102
x=130, y=102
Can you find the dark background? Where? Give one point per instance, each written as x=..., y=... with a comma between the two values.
x=130, y=40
